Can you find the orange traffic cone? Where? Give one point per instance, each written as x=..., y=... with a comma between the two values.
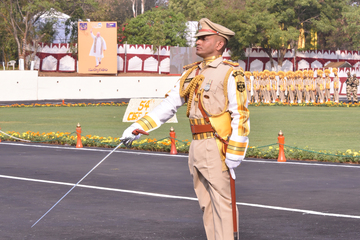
x=281, y=141
x=78, y=133
x=172, y=138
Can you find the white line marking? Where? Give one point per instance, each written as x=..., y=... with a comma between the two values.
x=311, y=212
x=305, y=163
x=93, y=149
x=179, y=156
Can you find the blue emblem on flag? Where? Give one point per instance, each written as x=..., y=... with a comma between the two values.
x=83, y=26
x=110, y=25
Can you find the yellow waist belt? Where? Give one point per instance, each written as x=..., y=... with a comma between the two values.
x=219, y=125
x=200, y=129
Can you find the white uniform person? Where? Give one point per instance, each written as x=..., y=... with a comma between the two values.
x=98, y=47
x=216, y=93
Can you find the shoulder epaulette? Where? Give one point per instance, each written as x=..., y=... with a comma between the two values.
x=234, y=64
x=238, y=72
x=191, y=65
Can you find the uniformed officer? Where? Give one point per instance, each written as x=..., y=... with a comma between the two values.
x=348, y=86
x=327, y=85
x=312, y=84
x=282, y=86
x=351, y=87
x=273, y=86
x=291, y=86
x=336, y=85
x=215, y=91
x=262, y=87
x=320, y=86
x=354, y=88
x=306, y=86
x=256, y=87
x=267, y=86
x=248, y=85
x=300, y=86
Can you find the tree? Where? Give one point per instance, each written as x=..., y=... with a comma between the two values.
x=276, y=25
x=158, y=27
x=194, y=10
x=8, y=46
x=19, y=19
x=79, y=10
x=351, y=27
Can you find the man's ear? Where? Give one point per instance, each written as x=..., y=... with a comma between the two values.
x=220, y=45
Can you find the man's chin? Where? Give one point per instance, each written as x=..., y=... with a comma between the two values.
x=199, y=54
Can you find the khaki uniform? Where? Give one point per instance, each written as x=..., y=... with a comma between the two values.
x=291, y=89
x=262, y=90
x=300, y=87
x=327, y=89
x=320, y=89
x=307, y=90
x=336, y=88
x=282, y=89
x=273, y=86
x=312, y=82
x=267, y=90
x=216, y=96
x=222, y=89
x=248, y=88
x=256, y=89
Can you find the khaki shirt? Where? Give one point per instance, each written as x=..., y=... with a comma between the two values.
x=336, y=82
x=327, y=82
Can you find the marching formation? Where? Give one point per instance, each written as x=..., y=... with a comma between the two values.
x=298, y=87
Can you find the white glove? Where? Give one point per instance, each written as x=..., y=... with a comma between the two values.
x=231, y=164
x=128, y=137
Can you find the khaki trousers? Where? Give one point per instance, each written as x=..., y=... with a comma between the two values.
x=320, y=94
x=299, y=95
x=307, y=96
x=327, y=95
x=212, y=188
x=282, y=96
x=267, y=95
x=256, y=95
x=263, y=96
x=291, y=95
x=312, y=96
x=336, y=95
x=273, y=95
x=249, y=96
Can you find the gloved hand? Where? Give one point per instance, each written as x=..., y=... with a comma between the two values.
x=231, y=164
x=128, y=137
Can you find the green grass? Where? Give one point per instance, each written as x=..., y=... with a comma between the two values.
x=314, y=127
x=319, y=128
x=100, y=121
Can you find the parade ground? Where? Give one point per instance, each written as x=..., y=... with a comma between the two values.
x=149, y=195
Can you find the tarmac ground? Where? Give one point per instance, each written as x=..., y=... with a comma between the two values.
x=149, y=195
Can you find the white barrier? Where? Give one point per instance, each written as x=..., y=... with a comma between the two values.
x=26, y=85
x=18, y=85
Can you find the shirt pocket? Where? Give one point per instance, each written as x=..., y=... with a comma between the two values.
x=214, y=100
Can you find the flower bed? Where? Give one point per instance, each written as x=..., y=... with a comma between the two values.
x=164, y=145
x=63, y=105
x=327, y=104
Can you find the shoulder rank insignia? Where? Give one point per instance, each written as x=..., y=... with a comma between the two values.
x=234, y=64
x=237, y=73
x=191, y=65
